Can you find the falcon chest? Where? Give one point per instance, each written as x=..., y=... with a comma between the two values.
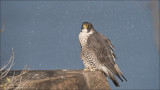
x=88, y=57
x=83, y=37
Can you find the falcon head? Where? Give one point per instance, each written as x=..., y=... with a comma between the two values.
x=87, y=27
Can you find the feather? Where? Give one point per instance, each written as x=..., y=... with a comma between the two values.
x=103, y=50
x=118, y=70
x=108, y=73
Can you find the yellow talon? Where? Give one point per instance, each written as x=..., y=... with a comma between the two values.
x=93, y=69
x=86, y=69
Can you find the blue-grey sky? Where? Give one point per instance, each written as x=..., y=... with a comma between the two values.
x=44, y=34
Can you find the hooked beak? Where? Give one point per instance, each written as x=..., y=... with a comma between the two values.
x=85, y=26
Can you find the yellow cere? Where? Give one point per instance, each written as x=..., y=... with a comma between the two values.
x=85, y=26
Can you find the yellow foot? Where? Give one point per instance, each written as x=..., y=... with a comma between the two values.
x=93, y=69
x=86, y=69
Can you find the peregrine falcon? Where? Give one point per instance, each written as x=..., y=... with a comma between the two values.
x=97, y=53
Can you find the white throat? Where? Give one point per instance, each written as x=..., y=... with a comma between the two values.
x=83, y=36
x=84, y=30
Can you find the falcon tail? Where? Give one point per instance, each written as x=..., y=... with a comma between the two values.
x=109, y=74
x=118, y=70
x=115, y=81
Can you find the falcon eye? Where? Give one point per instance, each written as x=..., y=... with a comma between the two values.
x=88, y=25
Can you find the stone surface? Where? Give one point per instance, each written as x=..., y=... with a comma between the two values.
x=55, y=79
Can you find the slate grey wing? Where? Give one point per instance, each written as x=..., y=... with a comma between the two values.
x=103, y=49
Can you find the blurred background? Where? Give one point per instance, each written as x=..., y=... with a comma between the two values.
x=44, y=35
